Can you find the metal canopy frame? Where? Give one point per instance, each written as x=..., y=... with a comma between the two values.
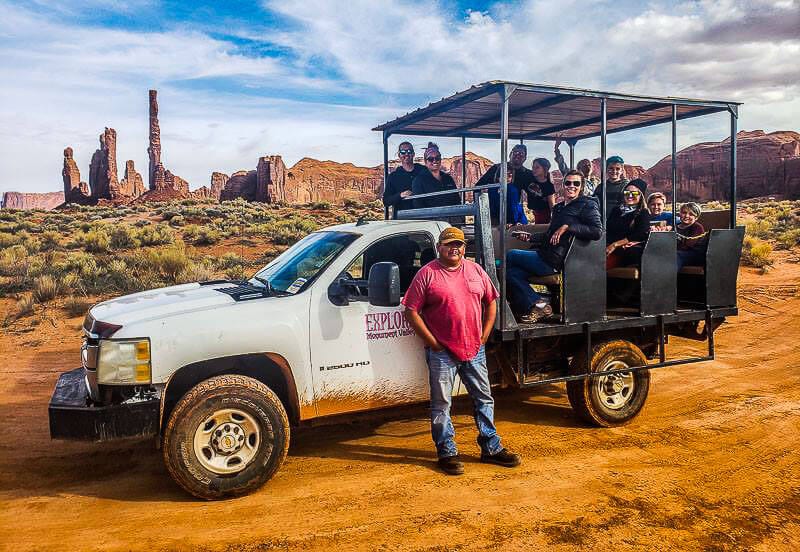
x=549, y=113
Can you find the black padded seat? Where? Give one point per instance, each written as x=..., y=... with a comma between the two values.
x=693, y=270
x=625, y=272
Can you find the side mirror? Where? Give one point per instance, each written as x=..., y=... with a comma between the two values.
x=384, y=285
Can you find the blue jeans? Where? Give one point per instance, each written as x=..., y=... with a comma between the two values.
x=442, y=370
x=520, y=265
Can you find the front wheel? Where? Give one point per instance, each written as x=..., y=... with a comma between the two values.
x=615, y=399
x=226, y=437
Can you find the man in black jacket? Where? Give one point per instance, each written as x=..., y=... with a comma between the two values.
x=578, y=216
x=398, y=186
x=615, y=183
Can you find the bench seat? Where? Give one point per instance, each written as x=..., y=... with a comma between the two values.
x=693, y=270
x=551, y=280
x=626, y=272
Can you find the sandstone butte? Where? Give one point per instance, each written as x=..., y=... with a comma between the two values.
x=769, y=165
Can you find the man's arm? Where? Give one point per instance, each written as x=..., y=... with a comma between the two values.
x=562, y=165
x=489, y=314
x=422, y=330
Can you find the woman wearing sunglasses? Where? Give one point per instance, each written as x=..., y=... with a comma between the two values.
x=627, y=227
x=579, y=216
x=434, y=180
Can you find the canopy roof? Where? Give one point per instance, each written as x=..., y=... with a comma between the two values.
x=542, y=112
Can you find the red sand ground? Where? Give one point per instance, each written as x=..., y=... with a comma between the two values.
x=710, y=464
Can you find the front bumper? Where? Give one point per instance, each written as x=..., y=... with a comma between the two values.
x=74, y=416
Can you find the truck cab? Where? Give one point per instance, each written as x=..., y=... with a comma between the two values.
x=302, y=331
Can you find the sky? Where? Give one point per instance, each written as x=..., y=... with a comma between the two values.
x=237, y=80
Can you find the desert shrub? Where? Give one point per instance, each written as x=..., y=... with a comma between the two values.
x=24, y=306
x=168, y=262
x=95, y=241
x=759, y=228
x=50, y=239
x=236, y=273
x=190, y=232
x=76, y=306
x=789, y=239
x=8, y=239
x=123, y=237
x=30, y=243
x=195, y=272
x=45, y=288
x=756, y=253
x=207, y=236
x=230, y=260
x=320, y=205
x=159, y=234
x=177, y=220
x=14, y=261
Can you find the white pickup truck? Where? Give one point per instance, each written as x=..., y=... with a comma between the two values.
x=221, y=370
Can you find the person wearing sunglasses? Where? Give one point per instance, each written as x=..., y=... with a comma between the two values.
x=398, y=186
x=519, y=177
x=584, y=166
x=434, y=179
x=615, y=183
x=578, y=215
x=627, y=227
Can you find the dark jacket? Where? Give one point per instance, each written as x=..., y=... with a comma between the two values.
x=400, y=181
x=425, y=183
x=583, y=218
x=613, y=196
x=634, y=225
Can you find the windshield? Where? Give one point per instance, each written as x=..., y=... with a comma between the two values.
x=297, y=267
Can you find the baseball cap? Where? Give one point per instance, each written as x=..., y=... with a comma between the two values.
x=451, y=234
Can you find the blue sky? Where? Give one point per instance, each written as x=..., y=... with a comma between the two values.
x=237, y=80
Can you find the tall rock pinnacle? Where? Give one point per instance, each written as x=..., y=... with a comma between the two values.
x=154, y=148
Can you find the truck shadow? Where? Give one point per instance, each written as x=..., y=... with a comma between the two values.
x=132, y=471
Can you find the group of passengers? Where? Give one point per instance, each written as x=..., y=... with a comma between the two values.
x=631, y=214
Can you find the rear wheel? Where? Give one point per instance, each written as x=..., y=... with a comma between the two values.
x=614, y=399
x=226, y=437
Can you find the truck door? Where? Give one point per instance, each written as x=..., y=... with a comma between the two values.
x=366, y=357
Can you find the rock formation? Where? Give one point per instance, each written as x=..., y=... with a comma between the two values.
x=162, y=183
x=103, y=167
x=218, y=181
x=45, y=201
x=476, y=167
x=131, y=185
x=311, y=180
x=241, y=184
x=75, y=191
x=768, y=165
x=270, y=179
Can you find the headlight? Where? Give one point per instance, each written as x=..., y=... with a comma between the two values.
x=124, y=361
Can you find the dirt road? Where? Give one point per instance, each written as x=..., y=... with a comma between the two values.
x=711, y=464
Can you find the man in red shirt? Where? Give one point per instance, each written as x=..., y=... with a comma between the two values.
x=451, y=305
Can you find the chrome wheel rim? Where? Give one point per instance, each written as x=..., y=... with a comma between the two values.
x=227, y=441
x=615, y=390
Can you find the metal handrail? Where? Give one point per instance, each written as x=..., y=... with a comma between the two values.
x=456, y=191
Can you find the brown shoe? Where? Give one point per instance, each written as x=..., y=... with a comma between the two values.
x=503, y=458
x=536, y=314
x=451, y=465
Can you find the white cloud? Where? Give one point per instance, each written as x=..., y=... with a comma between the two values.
x=63, y=82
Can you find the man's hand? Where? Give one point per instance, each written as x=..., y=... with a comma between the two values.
x=406, y=193
x=558, y=143
x=610, y=248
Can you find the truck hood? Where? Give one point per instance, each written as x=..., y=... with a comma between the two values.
x=161, y=303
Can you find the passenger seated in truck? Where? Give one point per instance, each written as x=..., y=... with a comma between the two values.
x=627, y=227
x=615, y=183
x=691, y=237
x=541, y=192
x=515, y=214
x=660, y=219
x=434, y=180
x=578, y=215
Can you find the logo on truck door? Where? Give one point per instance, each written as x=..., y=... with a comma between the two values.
x=387, y=325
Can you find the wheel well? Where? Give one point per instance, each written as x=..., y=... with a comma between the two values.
x=270, y=369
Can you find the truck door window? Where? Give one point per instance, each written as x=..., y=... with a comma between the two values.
x=409, y=252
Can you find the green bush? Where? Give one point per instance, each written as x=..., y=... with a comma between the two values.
x=50, y=240
x=8, y=239
x=756, y=253
x=789, y=239
x=159, y=234
x=24, y=306
x=759, y=228
x=123, y=237
x=45, y=288
x=207, y=236
x=95, y=241
x=76, y=306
